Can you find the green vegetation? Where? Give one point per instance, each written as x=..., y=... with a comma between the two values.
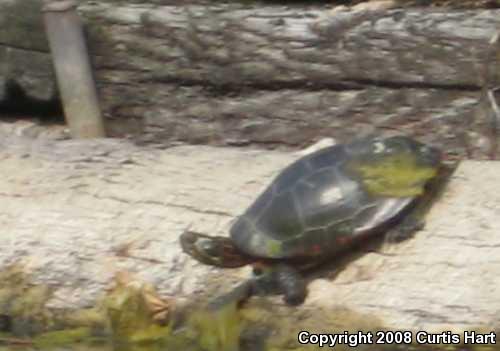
x=218, y=330
x=130, y=318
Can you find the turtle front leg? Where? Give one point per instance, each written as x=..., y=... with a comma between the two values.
x=291, y=284
x=283, y=279
x=268, y=279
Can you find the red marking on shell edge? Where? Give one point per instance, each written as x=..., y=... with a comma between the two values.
x=316, y=249
x=343, y=240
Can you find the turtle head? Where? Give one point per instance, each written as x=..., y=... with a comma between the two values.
x=213, y=250
x=396, y=167
x=424, y=155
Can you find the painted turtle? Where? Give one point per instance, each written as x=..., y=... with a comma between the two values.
x=318, y=207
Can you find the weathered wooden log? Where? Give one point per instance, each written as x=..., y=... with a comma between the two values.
x=75, y=213
x=273, y=75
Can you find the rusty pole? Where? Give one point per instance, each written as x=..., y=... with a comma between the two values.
x=73, y=70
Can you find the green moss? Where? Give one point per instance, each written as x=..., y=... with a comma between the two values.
x=134, y=326
x=218, y=330
x=131, y=315
x=127, y=320
x=31, y=301
x=62, y=337
x=19, y=298
x=127, y=316
x=286, y=323
x=92, y=318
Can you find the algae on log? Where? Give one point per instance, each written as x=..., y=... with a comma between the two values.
x=75, y=213
x=269, y=74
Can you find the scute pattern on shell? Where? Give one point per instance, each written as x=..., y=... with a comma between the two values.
x=318, y=205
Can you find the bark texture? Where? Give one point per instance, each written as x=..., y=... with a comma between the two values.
x=272, y=75
x=74, y=213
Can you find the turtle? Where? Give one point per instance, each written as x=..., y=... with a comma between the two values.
x=319, y=207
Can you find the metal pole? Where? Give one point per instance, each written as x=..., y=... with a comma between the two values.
x=72, y=68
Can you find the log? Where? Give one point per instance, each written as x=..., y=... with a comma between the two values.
x=76, y=213
x=272, y=75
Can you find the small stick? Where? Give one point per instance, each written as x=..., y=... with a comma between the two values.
x=73, y=69
x=491, y=79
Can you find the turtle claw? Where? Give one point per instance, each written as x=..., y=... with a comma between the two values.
x=294, y=299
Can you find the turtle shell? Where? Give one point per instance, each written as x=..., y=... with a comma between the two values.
x=325, y=201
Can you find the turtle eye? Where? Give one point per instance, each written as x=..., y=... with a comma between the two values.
x=378, y=147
